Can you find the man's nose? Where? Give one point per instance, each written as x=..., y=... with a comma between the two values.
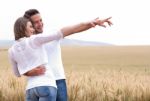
x=40, y=23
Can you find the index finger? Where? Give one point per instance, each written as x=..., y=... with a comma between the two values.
x=107, y=18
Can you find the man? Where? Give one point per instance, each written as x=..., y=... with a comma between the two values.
x=54, y=51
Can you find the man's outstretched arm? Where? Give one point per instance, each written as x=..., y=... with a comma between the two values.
x=85, y=26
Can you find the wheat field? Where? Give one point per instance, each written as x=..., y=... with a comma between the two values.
x=105, y=73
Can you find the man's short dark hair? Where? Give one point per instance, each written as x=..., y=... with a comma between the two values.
x=30, y=13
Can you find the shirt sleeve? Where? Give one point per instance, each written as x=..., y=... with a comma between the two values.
x=14, y=64
x=43, y=38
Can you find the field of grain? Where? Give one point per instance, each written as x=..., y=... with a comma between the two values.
x=106, y=73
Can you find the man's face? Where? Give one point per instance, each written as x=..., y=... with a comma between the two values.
x=37, y=23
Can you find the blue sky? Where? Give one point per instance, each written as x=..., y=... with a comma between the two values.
x=130, y=18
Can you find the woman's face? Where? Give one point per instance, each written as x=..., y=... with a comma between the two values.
x=29, y=29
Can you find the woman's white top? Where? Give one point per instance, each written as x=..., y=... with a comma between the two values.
x=29, y=53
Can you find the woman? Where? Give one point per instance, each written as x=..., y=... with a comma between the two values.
x=28, y=53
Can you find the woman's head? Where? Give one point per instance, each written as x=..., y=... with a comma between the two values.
x=23, y=28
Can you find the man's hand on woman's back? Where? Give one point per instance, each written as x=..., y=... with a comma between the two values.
x=37, y=71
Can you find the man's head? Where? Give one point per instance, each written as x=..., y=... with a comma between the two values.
x=36, y=19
